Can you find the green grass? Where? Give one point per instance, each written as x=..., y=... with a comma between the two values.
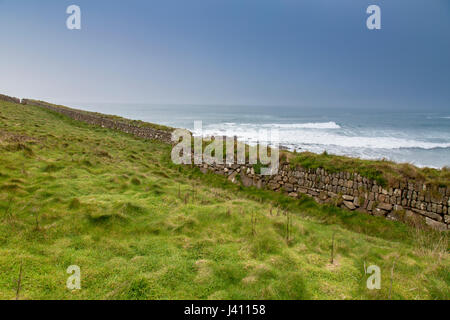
x=141, y=227
x=137, y=123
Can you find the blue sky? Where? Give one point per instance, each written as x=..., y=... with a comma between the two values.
x=313, y=53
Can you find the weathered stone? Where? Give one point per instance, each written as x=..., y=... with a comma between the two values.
x=349, y=205
x=302, y=190
x=431, y=215
x=436, y=225
x=323, y=195
x=365, y=204
x=273, y=185
x=232, y=178
x=347, y=197
x=447, y=219
x=379, y=212
x=9, y=99
x=385, y=206
x=356, y=202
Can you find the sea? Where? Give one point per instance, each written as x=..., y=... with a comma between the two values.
x=421, y=138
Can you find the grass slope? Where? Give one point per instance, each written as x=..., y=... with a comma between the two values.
x=142, y=228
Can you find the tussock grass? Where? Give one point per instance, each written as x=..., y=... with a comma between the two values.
x=143, y=228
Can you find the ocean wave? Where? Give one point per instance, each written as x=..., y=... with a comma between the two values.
x=308, y=125
x=304, y=137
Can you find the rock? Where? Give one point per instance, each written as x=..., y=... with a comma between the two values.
x=347, y=197
x=273, y=186
x=293, y=195
x=302, y=190
x=332, y=194
x=356, y=202
x=259, y=184
x=349, y=205
x=288, y=187
x=232, y=178
x=436, y=225
x=447, y=219
x=385, y=206
x=379, y=212
x=428, y=214
x=246, y=181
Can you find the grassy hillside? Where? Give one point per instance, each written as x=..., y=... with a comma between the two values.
x=142, y=228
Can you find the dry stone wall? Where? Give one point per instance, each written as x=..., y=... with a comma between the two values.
x=9, y=99
x=105, y=122
x=416, y=202
x=404, y=201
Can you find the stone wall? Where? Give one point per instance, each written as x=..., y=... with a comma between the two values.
x=105, y=122
x=403, y=201
x=413, y=201
x=9, y=99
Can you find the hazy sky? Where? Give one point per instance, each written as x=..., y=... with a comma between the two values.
x=260, y=52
